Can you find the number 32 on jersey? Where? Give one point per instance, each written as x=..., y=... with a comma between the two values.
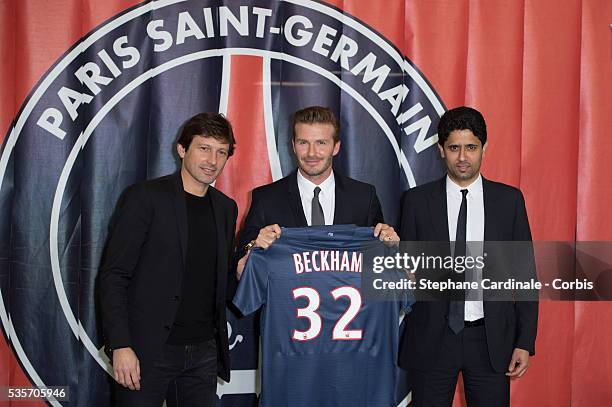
x=339, y=333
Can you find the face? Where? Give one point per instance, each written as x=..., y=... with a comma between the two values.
x=462, y=153
x=202, y=162
x=314, y=148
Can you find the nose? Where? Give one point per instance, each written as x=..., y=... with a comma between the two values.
x=311, y=150
x=462, y=153
x=212, y=158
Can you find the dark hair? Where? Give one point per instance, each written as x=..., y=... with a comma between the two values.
x=208, y=124
x=316, y=114
x=462, y=118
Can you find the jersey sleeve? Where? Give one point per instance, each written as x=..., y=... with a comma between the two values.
x=253, y=286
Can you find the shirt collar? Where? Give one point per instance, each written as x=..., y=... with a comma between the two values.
x=326, y=186
x=475, y=188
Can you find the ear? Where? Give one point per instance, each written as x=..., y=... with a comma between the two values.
x=336, y=147
x=180, y=150
x=441, y=151
x=484, y=149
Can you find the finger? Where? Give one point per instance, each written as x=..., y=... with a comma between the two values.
x=262, y=241
x=512, y=366
x=128, y=379
x=135, y=379
x=519, y=371
x=121, y=379
x=267, y=243
x=271, y=235
x=273, y=229
x=267, y=235
x=268, y=240
x=378, y=229
x=130, y=383
x=515, y=369
x=387, y=236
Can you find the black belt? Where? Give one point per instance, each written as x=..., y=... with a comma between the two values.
x=472, y=324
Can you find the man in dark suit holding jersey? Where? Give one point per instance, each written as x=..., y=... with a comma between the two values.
x=314, y=194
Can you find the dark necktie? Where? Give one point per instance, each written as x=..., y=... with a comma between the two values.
x=317, y=210
x=456, y=309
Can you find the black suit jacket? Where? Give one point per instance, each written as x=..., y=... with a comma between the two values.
x=508, y=325
x=142, y=268
x=279, y=202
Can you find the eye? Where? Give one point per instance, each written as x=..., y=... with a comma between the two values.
x=222, y=153
x=321, y=142
x=471, y=147
x=453, y=147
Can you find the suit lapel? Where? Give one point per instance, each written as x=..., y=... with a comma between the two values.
x=490, y=214
x=295, y=202
x=342, y=209
x=438, y=210
x=180, y=209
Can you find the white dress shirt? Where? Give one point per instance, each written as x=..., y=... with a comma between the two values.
x=474, y=232
x=327, y=197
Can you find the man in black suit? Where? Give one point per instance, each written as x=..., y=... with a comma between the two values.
x=314, y=194
x=164, y=275
x=491, y=341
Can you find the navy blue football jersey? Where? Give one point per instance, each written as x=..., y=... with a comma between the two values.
x=323, y=343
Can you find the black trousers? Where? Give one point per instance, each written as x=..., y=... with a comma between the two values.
x=184, y=375
x=466, y=352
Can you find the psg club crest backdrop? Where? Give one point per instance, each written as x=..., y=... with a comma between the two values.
x=93, y=94
x=107, y=113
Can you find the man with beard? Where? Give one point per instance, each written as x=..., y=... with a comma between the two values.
x=164, y=274
x=315, y=194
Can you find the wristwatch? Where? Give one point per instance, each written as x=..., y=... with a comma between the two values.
x=249, y=246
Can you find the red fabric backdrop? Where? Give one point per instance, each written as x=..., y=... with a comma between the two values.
x=539, y=70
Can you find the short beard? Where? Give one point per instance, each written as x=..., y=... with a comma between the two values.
x=315, y=174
